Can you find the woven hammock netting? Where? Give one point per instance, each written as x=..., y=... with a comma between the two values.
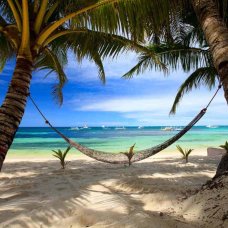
x=121, y=158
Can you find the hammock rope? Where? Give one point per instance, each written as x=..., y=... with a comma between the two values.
x=120, y=158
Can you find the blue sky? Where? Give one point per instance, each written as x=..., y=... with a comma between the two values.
x=143, y=100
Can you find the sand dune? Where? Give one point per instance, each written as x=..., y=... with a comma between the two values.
x=152, y=193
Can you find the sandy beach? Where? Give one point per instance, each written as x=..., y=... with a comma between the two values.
x=156, y=192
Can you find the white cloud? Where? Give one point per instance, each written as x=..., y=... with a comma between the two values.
x=151, y=110
x=149, y=103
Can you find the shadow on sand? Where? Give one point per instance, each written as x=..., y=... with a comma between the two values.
x=91, y=193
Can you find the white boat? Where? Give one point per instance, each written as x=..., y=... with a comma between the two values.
x=178, y=129
x=140, y=127
x=120, y=128
x=103, y=126
x=211, y=126
x=84, y=127
x=167, y=129
x=75, y=128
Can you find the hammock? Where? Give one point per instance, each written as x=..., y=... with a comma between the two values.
x=121, y=158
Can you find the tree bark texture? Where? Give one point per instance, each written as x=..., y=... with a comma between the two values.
x=13, y=106
x=216, y=34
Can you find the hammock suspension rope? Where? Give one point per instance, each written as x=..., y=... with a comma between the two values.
x=121, y=158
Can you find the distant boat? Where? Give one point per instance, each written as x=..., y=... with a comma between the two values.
x=75, y=128
x=178, y=129
x=211, y=126
x=120, y=128
x=140, y=127
x=85, y=127
x=167, y=129
x=103, y=126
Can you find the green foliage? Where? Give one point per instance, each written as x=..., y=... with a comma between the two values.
x=180, y=50
x=225, y=146
x=206, y=76
x=99, y=29
x=130, y=154
x=185, y=152
x=105, y=28
x=61, y=156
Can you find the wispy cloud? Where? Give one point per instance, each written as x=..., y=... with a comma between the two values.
x=154, y=110
x=149, y=103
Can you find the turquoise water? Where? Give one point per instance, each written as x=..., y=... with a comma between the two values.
x=40, y=141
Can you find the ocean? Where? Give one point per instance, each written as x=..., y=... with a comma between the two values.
x=36, y=141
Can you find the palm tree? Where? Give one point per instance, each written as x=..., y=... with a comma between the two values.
x=204, y=47
x=33, y=31
x=206, y=25
x=39, y=34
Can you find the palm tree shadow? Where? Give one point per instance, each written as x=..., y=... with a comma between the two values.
x=39, y=187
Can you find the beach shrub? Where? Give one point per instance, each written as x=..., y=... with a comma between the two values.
x=185, y=152
x=225, y=146
x=61, y=156
x=130, y=154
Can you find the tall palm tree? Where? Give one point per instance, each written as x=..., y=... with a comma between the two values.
x=206, y=23
x=39, y=34
x=33, y=31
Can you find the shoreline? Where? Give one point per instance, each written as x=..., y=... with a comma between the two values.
x=74, y=154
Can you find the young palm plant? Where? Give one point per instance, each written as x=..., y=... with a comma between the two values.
x=61, y=156
x=130, y=154
x=225, y=146
x=185, y=152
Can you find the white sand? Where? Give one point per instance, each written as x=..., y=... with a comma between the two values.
x=151, y=193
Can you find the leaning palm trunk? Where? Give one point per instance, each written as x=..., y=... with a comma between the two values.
x=216, y=34
x=13, y=107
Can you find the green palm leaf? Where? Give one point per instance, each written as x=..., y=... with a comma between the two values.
x=180, y=150
x=54, y=62
x=225, y=146
x=206, y=76
x=61, y=156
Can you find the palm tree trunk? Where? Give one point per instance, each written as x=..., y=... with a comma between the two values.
x=13, y=107
x=216, y=34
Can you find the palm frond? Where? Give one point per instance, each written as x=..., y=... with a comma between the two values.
x=54, y=61
x=173, y=56
x=225, y=146
x=61, y=156
x=180, y=150
x=185, y=153
x=188, y=152
x=205, y=76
